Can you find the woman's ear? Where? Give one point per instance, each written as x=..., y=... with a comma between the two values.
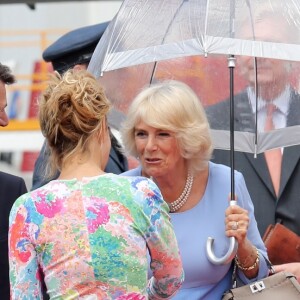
x=103, y=130
x=105, y=126
x=80, y=67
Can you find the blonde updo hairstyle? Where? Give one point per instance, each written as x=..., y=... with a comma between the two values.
x=71, y=110
x=172, y=105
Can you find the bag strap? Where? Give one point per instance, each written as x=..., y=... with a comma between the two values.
x=234, y=275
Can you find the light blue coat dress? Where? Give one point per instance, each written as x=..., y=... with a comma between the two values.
x=203, y=280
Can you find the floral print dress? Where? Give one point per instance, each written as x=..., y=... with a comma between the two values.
x=89, y=239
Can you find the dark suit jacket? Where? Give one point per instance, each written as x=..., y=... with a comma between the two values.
x=268, y=208
x=11, y=187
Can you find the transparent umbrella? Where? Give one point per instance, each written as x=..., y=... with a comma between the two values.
x=195, y=41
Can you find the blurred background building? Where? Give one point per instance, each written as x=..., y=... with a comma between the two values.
x=25, y=31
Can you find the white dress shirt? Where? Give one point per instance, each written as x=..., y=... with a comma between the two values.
x=279, y=116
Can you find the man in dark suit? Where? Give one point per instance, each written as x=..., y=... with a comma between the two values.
x=273, y=201
x=74, y=50
x=269, y=207
x=11, y=187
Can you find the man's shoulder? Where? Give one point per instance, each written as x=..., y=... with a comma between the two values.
x=218, y=113
x=11, y=185
x=295, y=97
x=9, y=177
x=226, y=102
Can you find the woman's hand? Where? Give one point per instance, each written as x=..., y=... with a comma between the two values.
x=236, y=222
x=293, y=268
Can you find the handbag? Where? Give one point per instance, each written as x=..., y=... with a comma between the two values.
x=277, y=286
x=283, y=245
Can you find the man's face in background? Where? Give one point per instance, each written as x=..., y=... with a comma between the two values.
x=3, y=104
x=272, y=74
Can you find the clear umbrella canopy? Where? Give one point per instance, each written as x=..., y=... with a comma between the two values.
x=190, y=41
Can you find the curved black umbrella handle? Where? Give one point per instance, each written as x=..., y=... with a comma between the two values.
x=228, y=257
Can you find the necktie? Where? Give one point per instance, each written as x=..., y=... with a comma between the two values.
x=273, y=157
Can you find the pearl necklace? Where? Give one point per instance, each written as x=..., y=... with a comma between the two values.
x=178, y=203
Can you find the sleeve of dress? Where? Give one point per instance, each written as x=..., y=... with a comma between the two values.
x=253, y=235
x=23, y=265
x=161, y=241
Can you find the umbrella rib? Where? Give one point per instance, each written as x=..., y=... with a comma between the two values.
x=163, y=40
x=256, y=80
x=205, y=28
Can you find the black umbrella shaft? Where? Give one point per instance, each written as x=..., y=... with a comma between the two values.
x=231, y=65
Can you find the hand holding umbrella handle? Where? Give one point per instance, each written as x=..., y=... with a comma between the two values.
x=227, y=258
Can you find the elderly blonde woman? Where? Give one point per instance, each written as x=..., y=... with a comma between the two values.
x=166, y=128
x=88, y=232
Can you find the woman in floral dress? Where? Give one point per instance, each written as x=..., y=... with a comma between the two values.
x=87, y=232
